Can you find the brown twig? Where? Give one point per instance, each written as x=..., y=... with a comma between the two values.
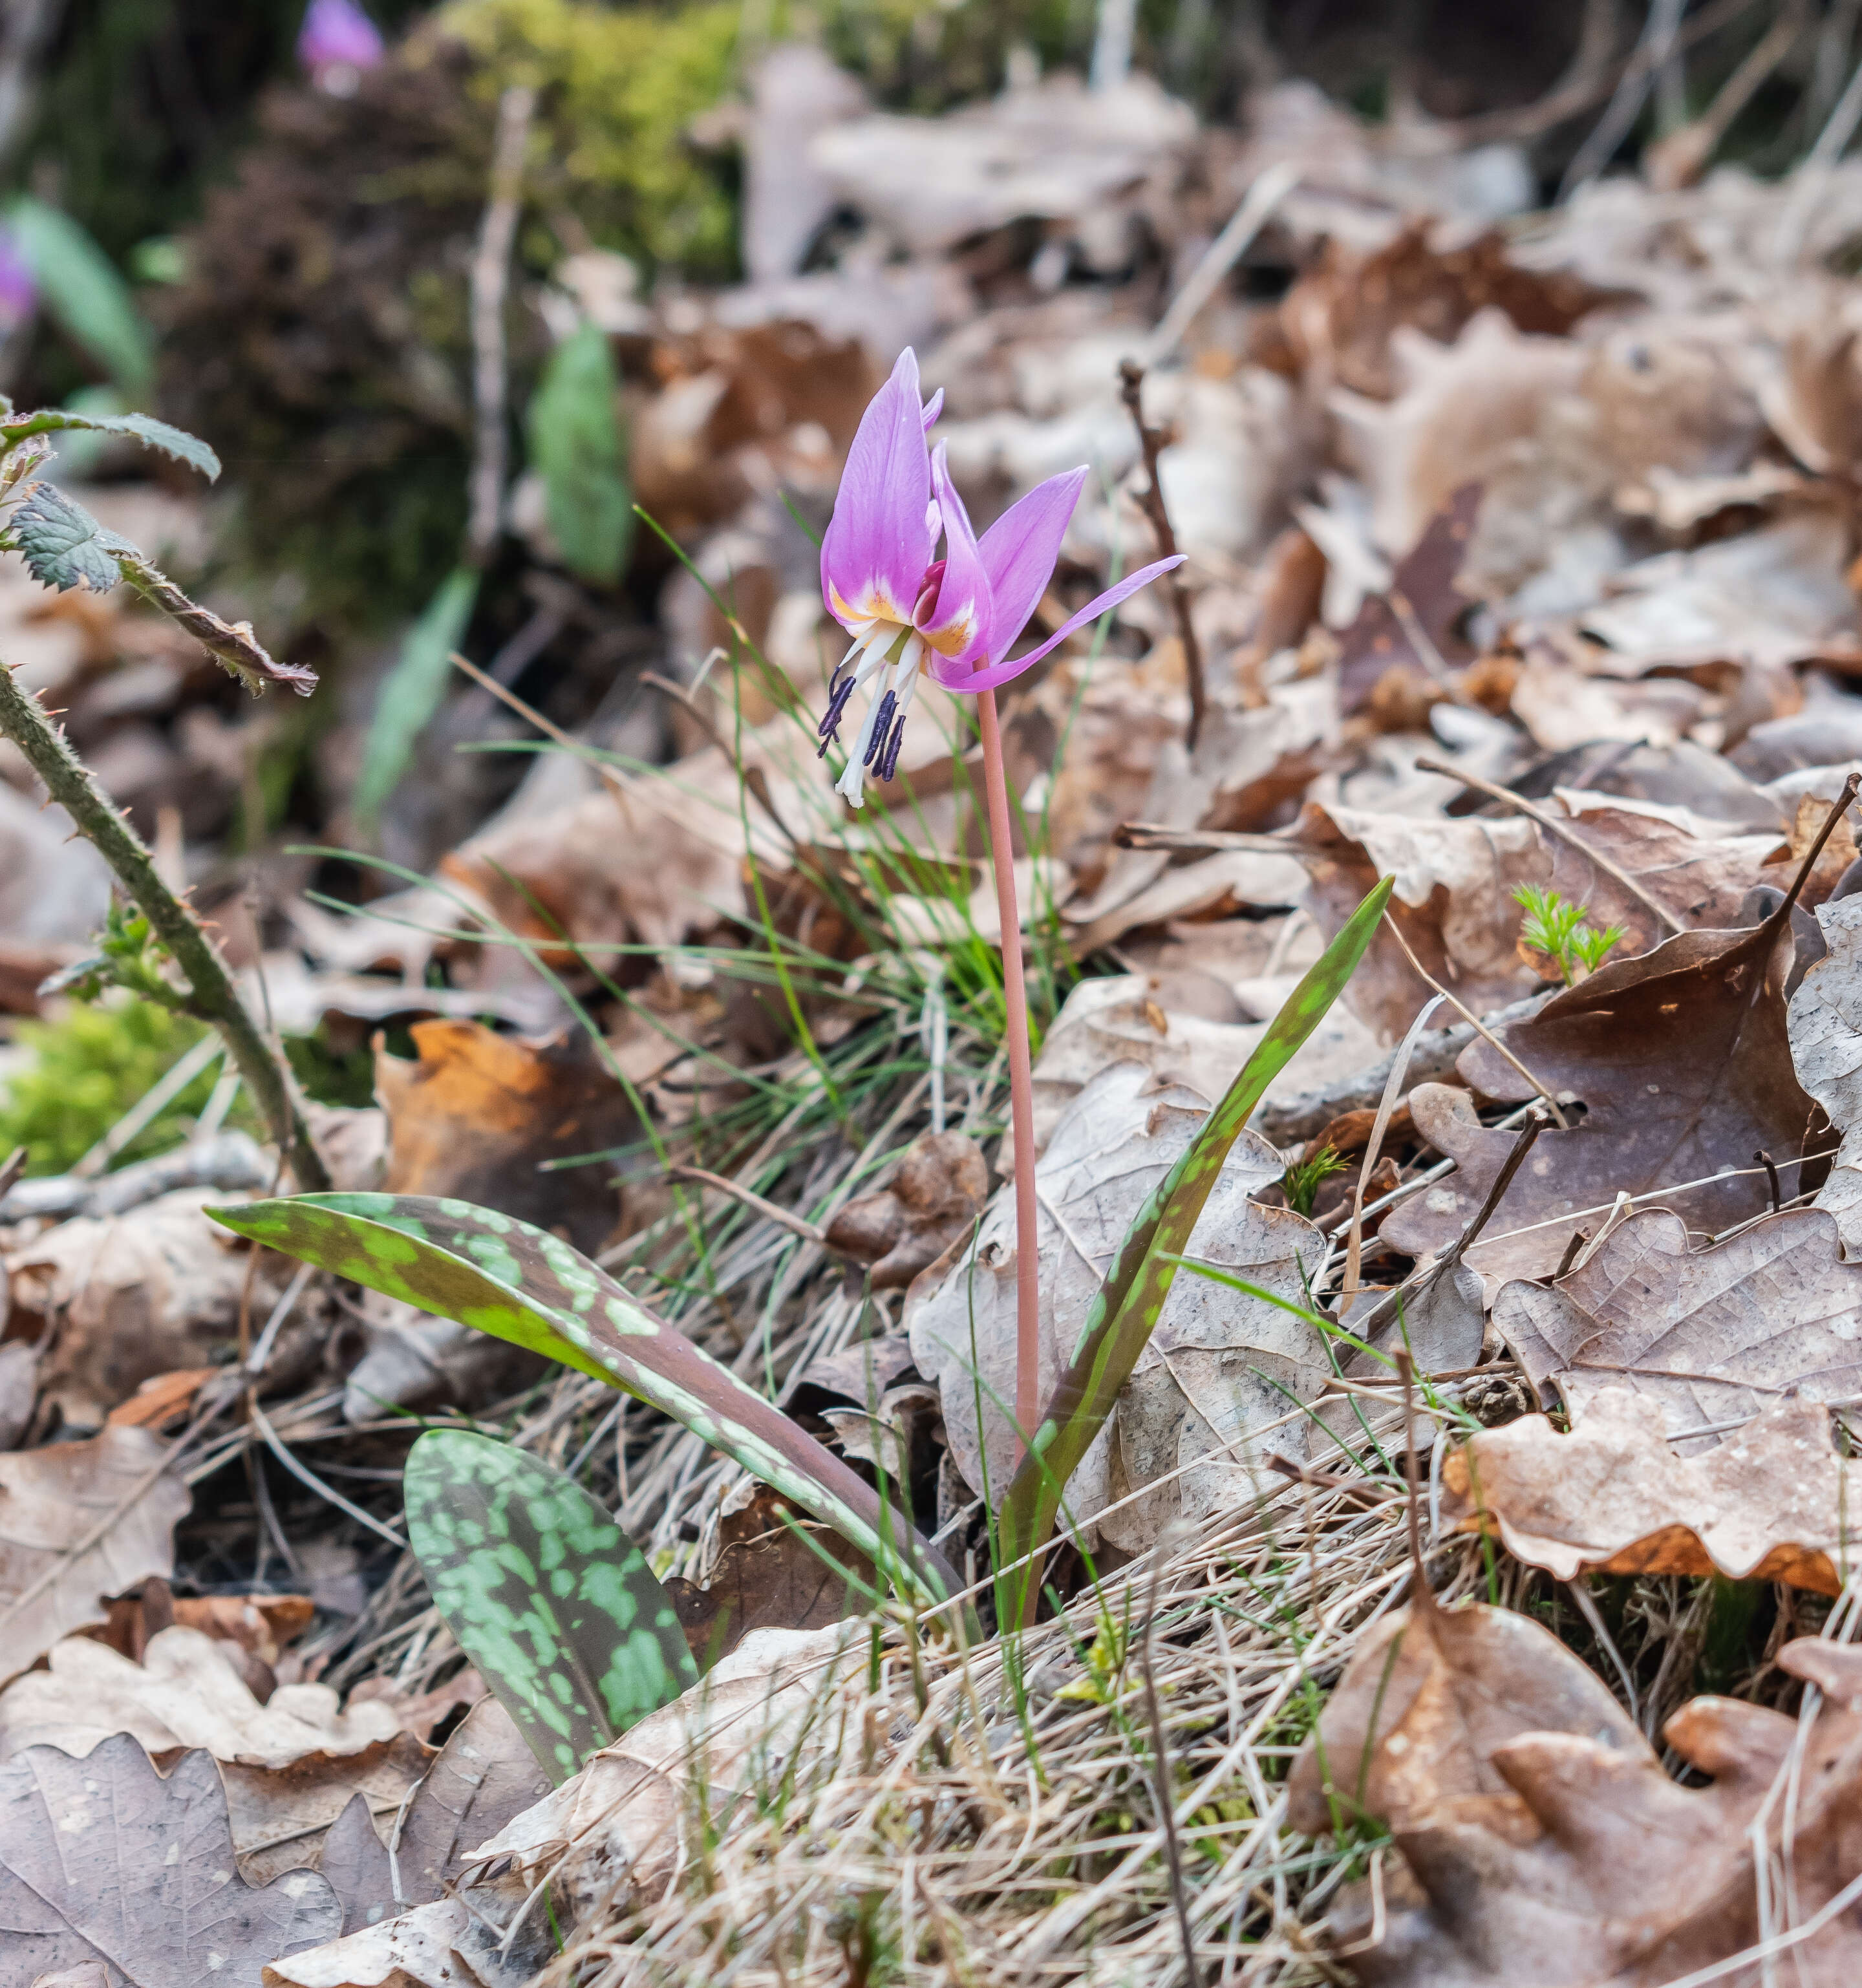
x=491, y=277
x=211, y=996
x=1771, y=1175
x=1474, y=1021
x=738, y=1191
x=1563, y=829
x=1151, y=441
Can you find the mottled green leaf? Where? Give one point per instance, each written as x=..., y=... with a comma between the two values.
x=502, y=1276
x=550, y=1599
x=577, y=447
x=64, y=544
x=145, y=428
x=1126, y=1311
x=84, y=293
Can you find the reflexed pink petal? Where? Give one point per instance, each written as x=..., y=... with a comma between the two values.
x=970, y=681
x=957, y=626
x=877, y=543
x=1018, y=552
x=933, y=408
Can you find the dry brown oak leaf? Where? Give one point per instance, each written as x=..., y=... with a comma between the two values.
x=1706, y=1337
x=485, y=1776
x=103, y=1861
x=774, y=1569
x=1774, y=1501
x=1825, y=1024
x=1542, y=1844
x=1454, y=878
x=934, y=1195
x=1681, y=1060
x=79, y=1521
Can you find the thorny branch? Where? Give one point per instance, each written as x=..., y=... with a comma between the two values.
x=211, y=996
x=1151, y=441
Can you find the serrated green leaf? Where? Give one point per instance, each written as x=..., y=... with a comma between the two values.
x=551, y=1600
x=83, y=291
x=145, y=428
x=1126, y=1311
x=577, y=447
x=414, y=689
x=64, y=544
x=501, y=1276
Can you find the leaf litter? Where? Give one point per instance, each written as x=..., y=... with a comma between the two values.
x=1520, y=557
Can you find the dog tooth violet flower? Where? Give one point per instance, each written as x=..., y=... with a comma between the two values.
x=955, y=618
x=337, y=43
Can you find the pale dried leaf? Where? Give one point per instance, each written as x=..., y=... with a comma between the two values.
x=1706, y=1337
x=79, y=1521
x=1825, y=1024
x=1774, y=1501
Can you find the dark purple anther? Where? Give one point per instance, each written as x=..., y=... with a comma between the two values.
x=837, y=696
x=881, y=718
x=890, y=764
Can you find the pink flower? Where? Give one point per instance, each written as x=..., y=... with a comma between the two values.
x=337, y=41
x=18, y=289
x=956, y=617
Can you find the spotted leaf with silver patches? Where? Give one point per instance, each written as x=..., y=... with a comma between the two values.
x=550, y=1598
x=501, y=1276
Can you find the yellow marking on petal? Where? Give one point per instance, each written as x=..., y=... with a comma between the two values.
x=955, y=636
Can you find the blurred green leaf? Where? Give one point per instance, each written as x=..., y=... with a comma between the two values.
x=413, y=690
x=84, y=293
x=541, y=1589
x=577, y=447
x=91, y=411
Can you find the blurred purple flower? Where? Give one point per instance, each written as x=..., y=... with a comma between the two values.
x=338, y=41
x=18, y=291
x=956, y=617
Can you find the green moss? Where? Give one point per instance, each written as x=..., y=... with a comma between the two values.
x=88, y=1068
x=619, y=86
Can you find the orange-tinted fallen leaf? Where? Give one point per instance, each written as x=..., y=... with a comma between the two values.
x=480, y=1115
x=161, y=1401
x=1773, y=1501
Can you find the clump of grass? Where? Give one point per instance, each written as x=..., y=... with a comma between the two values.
x=1303, y=1180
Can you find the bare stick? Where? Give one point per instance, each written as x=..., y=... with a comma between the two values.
x=808, y=1231
x=1151, y=441
x=211, y=996
x=1021, y=1086
x=490, y=275
x=1563, y=829
x=1474, y=1021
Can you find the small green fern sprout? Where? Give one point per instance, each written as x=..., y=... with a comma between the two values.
x=1300, y=1183
x=1556, y=928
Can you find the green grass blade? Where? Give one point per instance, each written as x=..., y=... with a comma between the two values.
x=1125, y=1313
x=551, y=1600
x=502, y=1276
x=413, y=691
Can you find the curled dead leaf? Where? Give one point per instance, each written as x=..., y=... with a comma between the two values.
x=1775, y=1501
x=934, y=1195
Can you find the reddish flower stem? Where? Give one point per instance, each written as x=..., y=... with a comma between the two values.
x=1021, y=1082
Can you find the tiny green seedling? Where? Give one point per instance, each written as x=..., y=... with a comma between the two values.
x=1303, y=1180
x=1556, y=927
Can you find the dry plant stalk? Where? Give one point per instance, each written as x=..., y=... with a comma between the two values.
x=1151, y=440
